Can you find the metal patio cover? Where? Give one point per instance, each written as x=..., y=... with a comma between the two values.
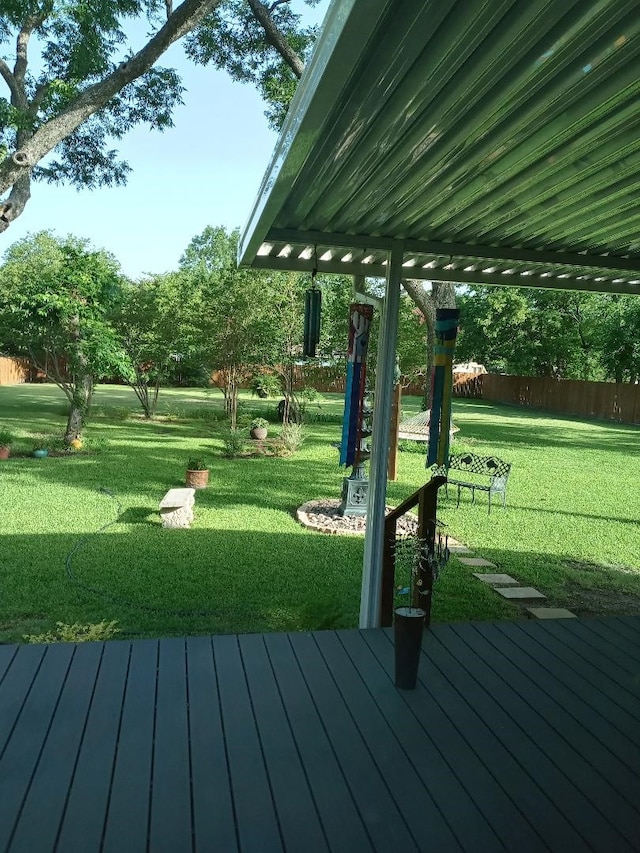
x=499, y=140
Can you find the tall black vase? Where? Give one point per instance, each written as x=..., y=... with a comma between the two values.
x=408, y=625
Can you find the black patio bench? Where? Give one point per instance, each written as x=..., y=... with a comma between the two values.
x=477, y=469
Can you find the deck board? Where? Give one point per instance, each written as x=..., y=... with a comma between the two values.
x=520, y=736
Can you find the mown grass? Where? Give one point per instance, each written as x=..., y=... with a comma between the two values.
x=246, y=565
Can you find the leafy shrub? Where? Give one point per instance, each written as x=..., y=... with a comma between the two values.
x=265, y=385
x=323, y=418
x=292, y=436
x=233, y=443
x=197, y=463
x=259, y=423
x=76, y=633
x=6, y=438
x=111, y=413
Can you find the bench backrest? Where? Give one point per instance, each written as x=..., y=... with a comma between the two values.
x=492, y=466
x=472, y=463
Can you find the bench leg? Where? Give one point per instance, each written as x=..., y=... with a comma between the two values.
x=473, y=496
x=458, y=503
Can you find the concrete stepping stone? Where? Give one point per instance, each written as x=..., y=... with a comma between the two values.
x=477, y=561
x=493, y=578
x=550, y=613
x=458, y=548
x=519, y=592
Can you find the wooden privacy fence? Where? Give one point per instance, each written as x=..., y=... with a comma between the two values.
x=14, y=371
x=605, y=400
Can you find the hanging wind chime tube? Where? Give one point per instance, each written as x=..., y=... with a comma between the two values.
x=442, y=386
x=360, y=316
x=312, y=310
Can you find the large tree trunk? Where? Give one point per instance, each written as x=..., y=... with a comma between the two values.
x=443, y=295
x=80, y=404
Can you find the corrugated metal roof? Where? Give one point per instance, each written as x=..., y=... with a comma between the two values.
x=498, y=138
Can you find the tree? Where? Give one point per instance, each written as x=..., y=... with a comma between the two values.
x=55, y=297
x=150, y=321
x=228, y=312
x=88, y=88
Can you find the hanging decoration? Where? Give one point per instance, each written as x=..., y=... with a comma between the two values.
x=312, y=309
x=359, y=324
x=442, y=386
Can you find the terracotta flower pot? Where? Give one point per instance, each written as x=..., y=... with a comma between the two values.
x=197, y=479
x=408, y=625
x=4, y=452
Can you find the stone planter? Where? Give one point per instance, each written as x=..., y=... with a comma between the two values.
x=197, y=479
x=408, y=625
x=260, y=433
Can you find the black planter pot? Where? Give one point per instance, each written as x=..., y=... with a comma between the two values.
x=408, y=625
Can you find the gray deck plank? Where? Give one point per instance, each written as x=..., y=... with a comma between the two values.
x=37, y=827
x=410, y=794
x=213, y=816
x=292, y=795
x=28, y=735
x=23, y=663
x=341, y=819
x=170, y=827
x=378, y=810
x=257, y=822
x=519, y=736
x=627, y=645
x=431, y=748
x=592, y=803
x=596, y=690
x=126, y=826
x=86, y=809
x=472, y=711
x=617, y=755
x=603, y=658
x=605, y=641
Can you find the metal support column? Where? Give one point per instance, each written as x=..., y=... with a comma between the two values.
x=383, y=399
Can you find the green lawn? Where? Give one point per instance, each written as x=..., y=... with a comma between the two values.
x=570, y=527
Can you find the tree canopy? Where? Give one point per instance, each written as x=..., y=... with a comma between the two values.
x=55, y=300
x=74, y=86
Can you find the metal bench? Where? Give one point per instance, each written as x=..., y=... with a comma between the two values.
x=477, y=468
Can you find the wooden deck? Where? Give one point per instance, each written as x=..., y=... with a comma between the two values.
x=520, y=737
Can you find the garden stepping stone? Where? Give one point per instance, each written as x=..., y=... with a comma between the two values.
x=492, y=578
x=519, y=592
x=458, y=548
x=551, y=613
x=477, y=561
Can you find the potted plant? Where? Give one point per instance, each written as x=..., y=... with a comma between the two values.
x=6, y=440
x=420, y=559
x=40, y=449
x=197, y=473
x=259, y=428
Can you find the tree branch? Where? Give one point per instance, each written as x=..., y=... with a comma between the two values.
x=187, y=16
x=275, y=37
x=10, y=80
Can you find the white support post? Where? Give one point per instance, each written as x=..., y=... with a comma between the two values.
x=383, y=399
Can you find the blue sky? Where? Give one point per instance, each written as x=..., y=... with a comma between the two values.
x=204, y=171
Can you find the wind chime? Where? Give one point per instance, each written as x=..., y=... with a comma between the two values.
x=356, y=423
x=442, y=386
x=312, y=310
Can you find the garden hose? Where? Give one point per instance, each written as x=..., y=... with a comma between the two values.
x=104, y=593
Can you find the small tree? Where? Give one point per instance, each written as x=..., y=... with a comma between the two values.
x=150, y=322
x=55, y=297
